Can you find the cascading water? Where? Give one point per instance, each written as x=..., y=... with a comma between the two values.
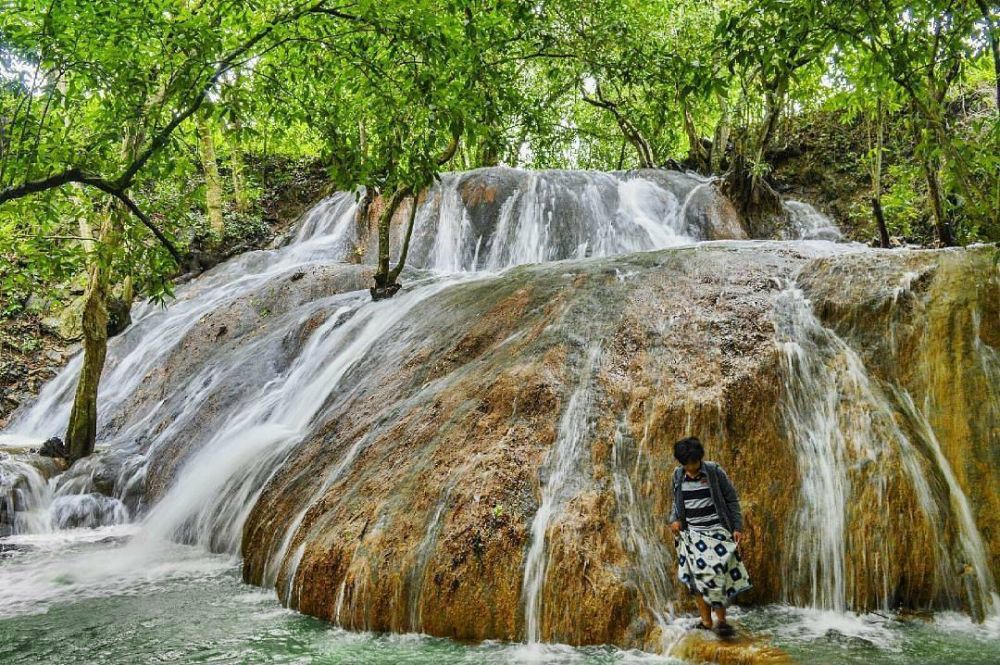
x=812, y=416
x=842, y=425
x=156, y=332
x=547, y=216
x=654, y=563
x=807, y=223
x=24, y=494
x=560, y=469
x=236, y=461
x=984, y=600
x=204, y=401
x=496, y=218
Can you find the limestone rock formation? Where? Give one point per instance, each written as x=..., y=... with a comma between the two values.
x=418, y=490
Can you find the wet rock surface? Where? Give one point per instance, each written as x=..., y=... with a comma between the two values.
x=439, y=454
x=927, y=326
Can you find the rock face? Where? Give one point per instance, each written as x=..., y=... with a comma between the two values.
x=414, y=502
x=926, y=325
x=420, y=492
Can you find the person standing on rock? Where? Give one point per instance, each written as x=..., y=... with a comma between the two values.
x=707, y=523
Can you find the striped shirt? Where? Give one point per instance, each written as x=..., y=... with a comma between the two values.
x=699, y=509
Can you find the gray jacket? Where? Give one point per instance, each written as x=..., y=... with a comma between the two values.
x=727, y=503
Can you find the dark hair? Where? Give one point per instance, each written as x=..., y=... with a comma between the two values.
x=689, y=450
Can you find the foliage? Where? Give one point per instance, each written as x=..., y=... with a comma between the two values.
x=106, y=95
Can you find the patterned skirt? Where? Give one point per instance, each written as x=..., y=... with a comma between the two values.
x=709, y=564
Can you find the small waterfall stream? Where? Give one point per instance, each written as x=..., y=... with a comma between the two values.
x=492, y=219
x=847, y=433
x=653, y=560
x=156, y=332
x=559, y=470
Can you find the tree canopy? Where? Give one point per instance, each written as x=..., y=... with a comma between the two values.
x=105, y=104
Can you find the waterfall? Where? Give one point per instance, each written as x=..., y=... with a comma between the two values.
x=222, y=479
x=811, y=413
x=496, y=218
x=545, y=216
x=653, y=561
x=560, y=466
x=846, y=432
x=156, y=332
x=808, y=223
x=983, y=592
x=416, y=578
x=24, y=497
x=204, y=401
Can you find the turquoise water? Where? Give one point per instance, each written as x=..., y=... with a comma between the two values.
x=821, y=638
x=91, y=597
x=220, y=620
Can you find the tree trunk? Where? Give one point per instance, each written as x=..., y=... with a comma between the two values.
x=361, y=221
x=638, y=141
x=241, y=201
x=213, y=183
x=720, y=139
x=406, y=241
x=697, y=154
x=384, y=286
x=745, y=186
x=81, y=433
x=753, y=197
x=991, y=34
x=945, y=237
x=876, y=173
x=775, y=98
x=631, y=133
x=883, y=231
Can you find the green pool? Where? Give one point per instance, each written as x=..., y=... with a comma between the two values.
x=90, y=596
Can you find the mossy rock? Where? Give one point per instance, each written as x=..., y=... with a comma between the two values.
x=67, y=323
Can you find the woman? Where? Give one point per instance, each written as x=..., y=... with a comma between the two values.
x=707, y=523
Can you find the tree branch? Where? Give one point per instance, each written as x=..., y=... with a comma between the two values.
x=77, y=176
x=146, y=221
x=125, y=179
x=34, y=186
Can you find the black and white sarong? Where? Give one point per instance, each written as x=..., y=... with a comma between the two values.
x=709, y=564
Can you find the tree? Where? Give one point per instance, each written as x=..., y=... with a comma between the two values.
x=213, y=181
x=923, y=48
x=104, y=114
x=396, y=92
x=767, y=44
x=101, y=77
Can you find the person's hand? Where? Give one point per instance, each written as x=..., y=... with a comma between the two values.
x=738, y=537
x=675, y=527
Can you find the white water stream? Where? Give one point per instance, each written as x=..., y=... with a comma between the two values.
x=842, y=423
x=245, y=410
x=559, y=470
